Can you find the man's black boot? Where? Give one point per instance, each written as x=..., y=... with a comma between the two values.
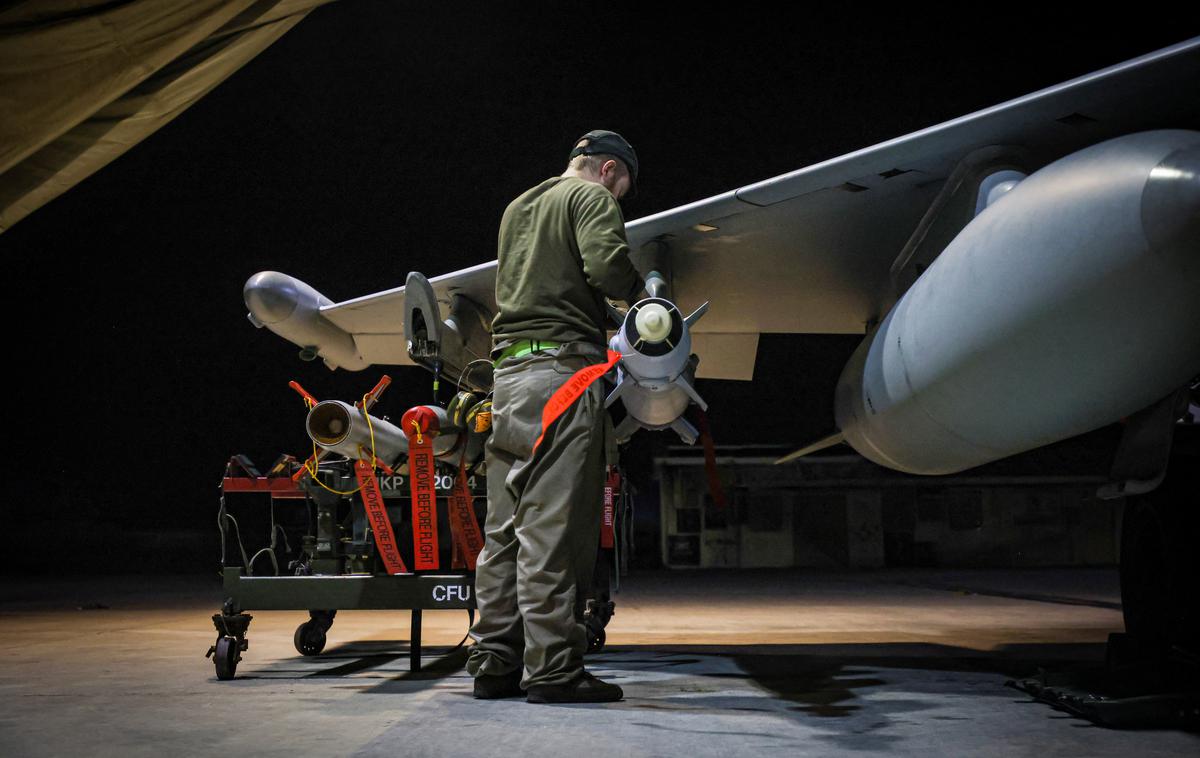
x=493, y=687
x=585, y=689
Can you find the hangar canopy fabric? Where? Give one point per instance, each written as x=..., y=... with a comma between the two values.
x=82, y=81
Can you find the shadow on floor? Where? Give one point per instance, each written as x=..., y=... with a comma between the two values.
x=817, y=679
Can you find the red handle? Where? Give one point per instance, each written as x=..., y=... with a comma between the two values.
x=303, y=392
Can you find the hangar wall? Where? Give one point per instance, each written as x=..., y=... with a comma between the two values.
x=842, y=512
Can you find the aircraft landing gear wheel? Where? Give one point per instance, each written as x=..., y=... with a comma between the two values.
x=598, y=612
x=226, y=657
x=309, y=638
x=595, y=637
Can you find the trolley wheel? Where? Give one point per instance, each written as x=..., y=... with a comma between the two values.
x=226, y=657
x=309, y=639
x=595, y=637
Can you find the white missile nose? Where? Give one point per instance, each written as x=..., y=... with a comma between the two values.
x=271, y=296
x=653, y=323
x=1171, y=208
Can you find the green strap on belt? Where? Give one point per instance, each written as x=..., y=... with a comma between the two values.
x=524, y=347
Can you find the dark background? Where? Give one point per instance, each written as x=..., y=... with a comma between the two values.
x=377, y=138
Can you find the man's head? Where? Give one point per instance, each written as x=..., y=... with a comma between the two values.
x=605, y=158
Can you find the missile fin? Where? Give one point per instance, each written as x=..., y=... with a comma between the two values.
x=836, y=438
x=614, y=313
x=626, y=428
x=615, y=394
x=656, y=285
x=683, y=382
x=696, y=315
x=686, y=431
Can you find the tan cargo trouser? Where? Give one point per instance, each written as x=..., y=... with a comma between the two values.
x=543, y=522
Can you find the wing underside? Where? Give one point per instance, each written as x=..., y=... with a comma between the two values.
x=815, y=250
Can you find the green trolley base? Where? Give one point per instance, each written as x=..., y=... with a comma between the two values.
x=322, y=597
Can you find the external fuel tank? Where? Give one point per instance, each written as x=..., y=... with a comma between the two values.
x=1071, y=301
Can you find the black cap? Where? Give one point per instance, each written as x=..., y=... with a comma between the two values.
x=600, y=141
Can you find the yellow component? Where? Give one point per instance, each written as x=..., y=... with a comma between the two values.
x=480, y=416
x=460, y=406
x=312, y=472
x=483, y=421
x=417, y=426
x=371, y=429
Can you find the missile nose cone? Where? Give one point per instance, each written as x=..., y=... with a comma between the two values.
x=1171, y=208
x=653, y=323
x=271, y=296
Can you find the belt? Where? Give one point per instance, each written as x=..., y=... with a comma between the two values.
x=523, y=347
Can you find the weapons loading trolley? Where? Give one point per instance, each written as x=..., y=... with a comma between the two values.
x=360, y=539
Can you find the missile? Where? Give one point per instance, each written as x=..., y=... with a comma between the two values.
x=448, y=436
x=292, y=309
x=657, y=370
x=343, y=429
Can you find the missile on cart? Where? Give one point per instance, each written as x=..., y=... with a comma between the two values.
x=657, y=370
x=346, y=430
x=343, y=429
x=447, y=428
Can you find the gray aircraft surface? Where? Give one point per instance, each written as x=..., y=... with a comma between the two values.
x=1022, y=274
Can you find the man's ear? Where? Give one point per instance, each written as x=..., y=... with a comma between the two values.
x=609, y=167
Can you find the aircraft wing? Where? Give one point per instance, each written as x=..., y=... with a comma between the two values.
x=377, y=321
x=820, y=249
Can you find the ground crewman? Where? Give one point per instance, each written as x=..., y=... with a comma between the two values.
x=562, y=249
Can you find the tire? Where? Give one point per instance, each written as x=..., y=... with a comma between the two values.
x=226, y=658
x=595, y=636
x=309, y=639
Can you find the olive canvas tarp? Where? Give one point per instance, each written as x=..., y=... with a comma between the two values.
x=82, y=81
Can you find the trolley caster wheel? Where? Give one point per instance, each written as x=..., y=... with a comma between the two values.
x=226, y=657
x=595, y=639
x=309, y=639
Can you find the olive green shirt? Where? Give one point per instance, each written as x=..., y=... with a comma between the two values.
x=562, y=248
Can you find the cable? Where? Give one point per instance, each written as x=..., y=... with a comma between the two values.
x=270, y=549
x=287, y=546
x=221, y=524
x=312, y=467
x=471, y=623
x=370, y=428
x=467, y=368
x=371, y=431
x=221, y=515
x=312, y=472
x=308, y=513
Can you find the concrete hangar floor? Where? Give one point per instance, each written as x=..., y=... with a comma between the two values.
x=780, y=662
